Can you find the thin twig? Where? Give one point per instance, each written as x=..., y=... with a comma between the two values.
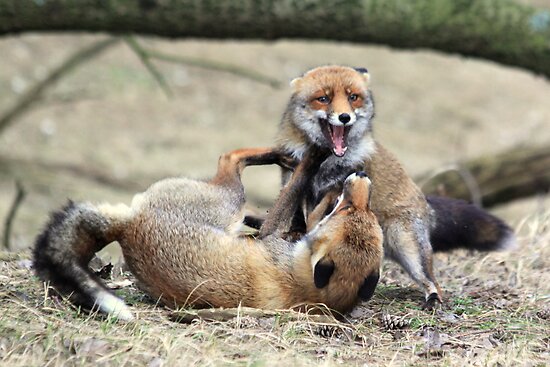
x=225, y=314
x=19, y=196
x=144, y=57
x=34, y=94
x=216, y=66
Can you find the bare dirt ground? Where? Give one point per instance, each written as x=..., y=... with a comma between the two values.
x=109, y=119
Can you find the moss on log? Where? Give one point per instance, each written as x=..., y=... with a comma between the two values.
x=499, y=30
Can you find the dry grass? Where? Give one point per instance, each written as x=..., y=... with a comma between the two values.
x=496, y=314
x=110, y=117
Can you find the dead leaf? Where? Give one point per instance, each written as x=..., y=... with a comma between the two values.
x=93, y=348
x=447, y=317
x=4, y=346
x=501, y=303
x=25, y=264
x=117, y=284
x=360, y=312
x=433, y=342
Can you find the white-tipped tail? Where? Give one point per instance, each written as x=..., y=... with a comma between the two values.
x=113, y=306
x=509, y=242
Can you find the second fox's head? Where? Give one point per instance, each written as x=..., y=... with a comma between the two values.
x=346, y=246
x=333, y=106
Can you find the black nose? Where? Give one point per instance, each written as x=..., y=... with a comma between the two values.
x=344, y=117
x=361, y=174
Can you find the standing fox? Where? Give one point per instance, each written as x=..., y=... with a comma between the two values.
x=331, y=107
x=179, y=239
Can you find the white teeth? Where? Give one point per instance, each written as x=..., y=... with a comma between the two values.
x=337, y=153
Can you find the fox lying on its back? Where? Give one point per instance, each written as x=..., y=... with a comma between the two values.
x=178, y=238
x=331, y=107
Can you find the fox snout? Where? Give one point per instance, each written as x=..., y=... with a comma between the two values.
x=357, y=188
x=351, y=179
x=337, y=118
x=342, y=119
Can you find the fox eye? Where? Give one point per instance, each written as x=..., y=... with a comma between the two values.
x=324, y=99
x=345, y=207
x=353, y=97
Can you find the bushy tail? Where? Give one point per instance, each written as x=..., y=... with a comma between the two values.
x=463, y=225
x=65, y=247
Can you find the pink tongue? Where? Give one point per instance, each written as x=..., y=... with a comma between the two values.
x=338, y=140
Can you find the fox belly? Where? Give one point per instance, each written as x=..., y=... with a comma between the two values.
x=182, y=262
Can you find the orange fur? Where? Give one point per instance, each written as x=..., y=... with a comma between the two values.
x=178, y=240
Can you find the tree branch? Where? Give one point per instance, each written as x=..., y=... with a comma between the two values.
x=145, y=59
x=34, y=94
x=19, y=197
x=499, y=30
x=216, y=66
x=146, y=54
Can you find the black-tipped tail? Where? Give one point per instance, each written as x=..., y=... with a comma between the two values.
x=459, y=224
x=62, y=252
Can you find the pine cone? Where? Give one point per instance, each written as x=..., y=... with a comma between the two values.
x=392, y=322
x=327, y=331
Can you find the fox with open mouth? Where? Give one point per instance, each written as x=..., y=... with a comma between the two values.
x=332, y=107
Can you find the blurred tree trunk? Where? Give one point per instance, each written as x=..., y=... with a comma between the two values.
x=498, y=30
x=495, y=179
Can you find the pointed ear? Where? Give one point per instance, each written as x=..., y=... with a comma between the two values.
x=369, y=285
x=322, y=272
x=295, y=84
x=364, y=72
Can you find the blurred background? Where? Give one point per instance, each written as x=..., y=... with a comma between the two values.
x=107, y=130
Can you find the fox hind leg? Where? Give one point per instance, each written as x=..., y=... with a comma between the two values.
x=411, y=248
x=232, y=164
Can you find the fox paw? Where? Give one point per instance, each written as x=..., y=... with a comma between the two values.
x=433, y=302
x=288, y=162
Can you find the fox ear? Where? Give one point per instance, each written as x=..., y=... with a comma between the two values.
x=322, y=272
x=369, y=285
x=364, y=72
x=295, y=83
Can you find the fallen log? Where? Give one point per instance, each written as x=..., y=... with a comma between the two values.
x=494, y=179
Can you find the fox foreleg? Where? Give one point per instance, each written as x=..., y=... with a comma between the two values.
x=279, y=218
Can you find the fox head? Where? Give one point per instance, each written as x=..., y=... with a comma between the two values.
x=332, y=106
x=346, y=246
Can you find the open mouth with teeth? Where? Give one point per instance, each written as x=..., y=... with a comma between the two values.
x=337, y=136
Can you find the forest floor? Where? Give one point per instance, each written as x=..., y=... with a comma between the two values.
x=107, y=131
x=496, y=313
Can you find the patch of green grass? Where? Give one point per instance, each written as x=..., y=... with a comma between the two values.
x=129, y=297
x=466, y=306
x=420, y=322
x=487, y=325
